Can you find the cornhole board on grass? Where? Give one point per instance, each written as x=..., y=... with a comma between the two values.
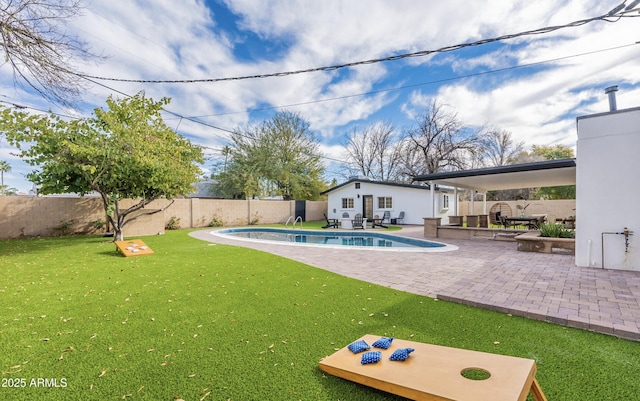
x=134, y=247
x=433, y=373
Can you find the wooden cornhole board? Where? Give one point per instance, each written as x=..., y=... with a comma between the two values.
x=433, y=373
x=133, y=247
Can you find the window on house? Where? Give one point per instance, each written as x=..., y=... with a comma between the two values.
x=347, y=203
x=357, y=185
x=445, y=201
x=385, y=202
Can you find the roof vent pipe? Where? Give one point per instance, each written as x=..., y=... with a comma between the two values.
x=611, y=91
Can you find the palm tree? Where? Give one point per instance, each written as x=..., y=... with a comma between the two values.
x=4, y=168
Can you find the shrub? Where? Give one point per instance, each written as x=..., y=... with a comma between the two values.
x=255, y=220
x=173, y=224
x=64, y=227
x=555, y=231
x=216, y=222
x=98, y=224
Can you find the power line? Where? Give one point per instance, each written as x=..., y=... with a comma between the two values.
x=616, y=14
x=20, y=106
x=422, y=83
x=203, y=123
x=192, y=119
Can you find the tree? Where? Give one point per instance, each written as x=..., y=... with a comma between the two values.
x=438, y=142
x=123, y=152
x=4, y=168
x=37, y=45
x=374, y=151
x=7, y=190
x=499, y=147
x=554, y=153
x=281, y=156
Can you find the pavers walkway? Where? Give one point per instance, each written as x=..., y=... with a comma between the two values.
x=488, y=274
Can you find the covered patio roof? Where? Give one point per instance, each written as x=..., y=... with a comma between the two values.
x=548, y=173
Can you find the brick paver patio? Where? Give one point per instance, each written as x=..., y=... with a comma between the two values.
x=488, y=274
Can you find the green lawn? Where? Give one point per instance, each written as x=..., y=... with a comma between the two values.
x=197, y=321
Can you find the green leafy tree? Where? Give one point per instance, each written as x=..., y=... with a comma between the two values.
x=7, y=190
x=281, y=156
x=123, y=152
x=554, y=153
x=4, y=168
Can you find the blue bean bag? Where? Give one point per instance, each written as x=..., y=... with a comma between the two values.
x=358, y=346
x=383, y=343
x=371, y=357
x=401, y=354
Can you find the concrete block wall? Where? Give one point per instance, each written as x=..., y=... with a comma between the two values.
x=316, y=210
x=554, y=209
x=26, y=216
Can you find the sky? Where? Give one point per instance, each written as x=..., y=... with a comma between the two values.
x=492, y=84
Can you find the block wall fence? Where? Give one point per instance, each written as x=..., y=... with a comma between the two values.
x=554, y=209
x=28, y=216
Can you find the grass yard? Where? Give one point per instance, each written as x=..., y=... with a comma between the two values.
x=197, y=321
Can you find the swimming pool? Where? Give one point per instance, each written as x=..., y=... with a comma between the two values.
x=341, y=239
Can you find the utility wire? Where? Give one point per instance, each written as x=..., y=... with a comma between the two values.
x=205, y=124
x=612, y=16
x=438, y=81
x=192, y=119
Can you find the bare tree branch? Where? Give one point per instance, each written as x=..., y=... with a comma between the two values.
x=438, y=142
x=499, y=147
x=36, y=44
x=375, y=151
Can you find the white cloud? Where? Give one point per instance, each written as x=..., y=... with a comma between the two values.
x=162, y=39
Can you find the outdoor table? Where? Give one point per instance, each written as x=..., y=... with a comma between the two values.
x=522, y=221
x=435, y=373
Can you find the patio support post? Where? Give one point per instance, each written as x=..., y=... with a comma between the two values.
x=455, y=201
x=473, y=196
x=432, y=189
x=484, y=203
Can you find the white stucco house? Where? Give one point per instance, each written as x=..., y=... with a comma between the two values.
x=374, y=198
x=607, y=215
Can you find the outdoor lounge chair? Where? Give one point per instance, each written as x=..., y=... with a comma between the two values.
x=357, y=222
x=399, y=219
x=386, y=217
x=331, y=223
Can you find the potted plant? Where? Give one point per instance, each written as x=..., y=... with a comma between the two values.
x=522, y=208
x=555, y=231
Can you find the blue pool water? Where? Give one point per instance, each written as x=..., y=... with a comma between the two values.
x=331, y=238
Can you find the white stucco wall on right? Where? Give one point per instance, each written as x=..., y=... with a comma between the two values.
x=608, y=189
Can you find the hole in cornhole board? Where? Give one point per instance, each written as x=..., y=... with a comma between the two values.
x=475, y=374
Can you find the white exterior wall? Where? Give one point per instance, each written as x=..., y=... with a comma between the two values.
x=416, y=203
x=607, y=189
